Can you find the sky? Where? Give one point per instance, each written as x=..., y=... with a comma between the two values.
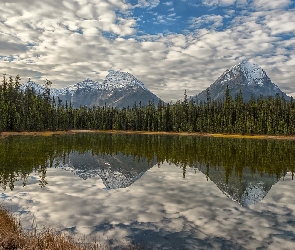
x=169, y=45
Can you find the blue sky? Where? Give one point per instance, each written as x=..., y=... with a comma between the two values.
x=170, y=45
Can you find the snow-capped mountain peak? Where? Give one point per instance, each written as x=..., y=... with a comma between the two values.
x=114, y=80
x=119, y=89
x=121, y=80
x=87, y=85
x=246, y=77
x=32, y=85
x=253, y=73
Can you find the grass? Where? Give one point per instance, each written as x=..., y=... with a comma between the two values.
x=14, y=237
x=244, y=136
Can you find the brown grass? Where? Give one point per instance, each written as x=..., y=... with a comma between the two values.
x=14, y=237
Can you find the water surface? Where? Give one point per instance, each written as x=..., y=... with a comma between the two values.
x=165, y=192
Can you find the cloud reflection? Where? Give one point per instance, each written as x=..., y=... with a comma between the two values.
x=161, y=210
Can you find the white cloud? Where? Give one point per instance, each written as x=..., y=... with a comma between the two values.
x=218, y=2
x=149, y=4
x=210, y=2
x=280, y=24
x=168, y=3
x=265, y=4
x=212, y=21
x=227, y=2
x=71, y=43
x=242, y=3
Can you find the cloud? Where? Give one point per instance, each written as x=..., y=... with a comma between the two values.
x=67, y=42
x=280, y=24
x=168, y=3
x=242, y=3
x=265, y=4
x=212, y=21
x=10, y=47
x=218, y=2
x=227, y=2
x=149, y=4
x=56, y=37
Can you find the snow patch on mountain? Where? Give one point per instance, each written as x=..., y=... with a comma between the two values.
x=115, y=80
x=253, y=72
x=121, y=80
x=87, y=85
x=33, y=86
x=247, y=77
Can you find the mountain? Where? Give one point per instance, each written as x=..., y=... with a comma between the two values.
x=246, y=77
x=119, y=89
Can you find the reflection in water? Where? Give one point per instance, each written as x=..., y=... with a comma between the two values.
x=248, y=190
x=161, y=210
x=244, y=170
x=116, y=171
x=155, y=190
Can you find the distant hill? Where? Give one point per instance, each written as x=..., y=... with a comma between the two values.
x=119, y=89
x=246, y=77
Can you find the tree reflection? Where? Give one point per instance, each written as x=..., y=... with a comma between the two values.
x=232, y=158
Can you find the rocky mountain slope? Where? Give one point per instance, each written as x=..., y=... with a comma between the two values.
x=246, y=77
x=119, y=89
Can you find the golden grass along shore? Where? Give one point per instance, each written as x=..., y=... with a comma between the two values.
x=14, y=237
x=239, y=136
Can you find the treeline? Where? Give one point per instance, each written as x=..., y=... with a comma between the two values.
x=30, y=111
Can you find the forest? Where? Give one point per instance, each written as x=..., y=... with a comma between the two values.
x=30, y=111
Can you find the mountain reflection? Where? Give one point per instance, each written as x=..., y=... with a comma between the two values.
x=248, y=190
x=116, y=171
x=243, y=169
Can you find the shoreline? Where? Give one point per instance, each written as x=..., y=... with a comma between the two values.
x=14, y=236
x=234, y=136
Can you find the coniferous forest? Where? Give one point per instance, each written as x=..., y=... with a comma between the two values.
x=31, y=111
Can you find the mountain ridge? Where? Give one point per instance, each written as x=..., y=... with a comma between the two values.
x=119, y=89
x=122, y=89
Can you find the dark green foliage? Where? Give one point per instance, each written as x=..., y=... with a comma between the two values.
x=30, y=111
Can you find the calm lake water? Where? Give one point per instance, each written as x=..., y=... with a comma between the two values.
x=164, y=192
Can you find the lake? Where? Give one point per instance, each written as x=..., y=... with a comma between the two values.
x=163, y=192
